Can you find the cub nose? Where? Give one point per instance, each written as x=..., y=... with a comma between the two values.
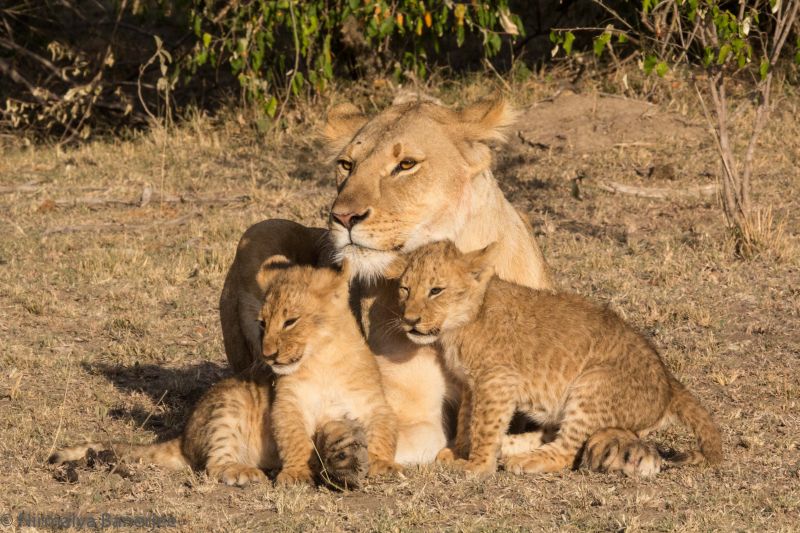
x=271, y=358
x=411, y=321
x=348, y=220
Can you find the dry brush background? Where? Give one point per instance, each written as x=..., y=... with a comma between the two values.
x=112, y=257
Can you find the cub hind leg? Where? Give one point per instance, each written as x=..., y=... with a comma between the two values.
x=600, y=398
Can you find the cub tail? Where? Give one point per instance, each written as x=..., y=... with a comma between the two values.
x=691, y=414
x=167, y=454
x=620, y=450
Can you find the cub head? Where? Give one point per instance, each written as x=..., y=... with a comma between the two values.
x=301, y=310
x=440, y=288
x=404, y=177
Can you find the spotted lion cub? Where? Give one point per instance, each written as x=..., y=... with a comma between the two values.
x=324, y=370
x=229, y=435
x=311, y=418
x=557, y=358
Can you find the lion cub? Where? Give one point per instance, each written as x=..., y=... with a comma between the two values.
x=558, y=358
x=229, y=436
x=324, y=369
x=326, y=387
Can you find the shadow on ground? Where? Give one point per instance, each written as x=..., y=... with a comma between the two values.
x=173, y=390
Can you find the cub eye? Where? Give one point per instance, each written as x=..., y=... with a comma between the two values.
x=435, y=290
x=262, y=324
x=404, y=292
x=405, y=164
x=341, y=456
x=345, y=165
x=289, y=323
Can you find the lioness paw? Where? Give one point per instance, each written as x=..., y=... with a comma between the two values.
x=446, y=456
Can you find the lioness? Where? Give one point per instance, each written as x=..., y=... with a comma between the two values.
x=414, y=174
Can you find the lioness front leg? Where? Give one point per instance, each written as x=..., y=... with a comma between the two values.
x=492, y=408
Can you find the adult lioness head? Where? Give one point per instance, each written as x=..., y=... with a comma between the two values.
x=405, y=176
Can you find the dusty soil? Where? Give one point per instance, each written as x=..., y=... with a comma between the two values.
x=109, y=328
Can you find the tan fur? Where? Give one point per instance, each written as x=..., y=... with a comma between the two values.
x=230, y=432
x=450, y=194
x=324, y=370
x=555, y=357
x=227, y=435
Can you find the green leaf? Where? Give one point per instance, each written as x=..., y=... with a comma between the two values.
x=600, y=43
x=723, y=54
x=763, y=69
x=272, y=107
x=206, y=39
x=649, y=64
x=569, y=38
x=662, y=68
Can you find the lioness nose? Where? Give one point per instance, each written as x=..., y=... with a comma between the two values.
x=348, y=220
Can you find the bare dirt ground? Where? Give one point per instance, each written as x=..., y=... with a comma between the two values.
x=109, y=327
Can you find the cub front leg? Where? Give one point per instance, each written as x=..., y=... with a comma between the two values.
x=493, y=406
x=461, y=444
x=293, y=441
x=382, y=442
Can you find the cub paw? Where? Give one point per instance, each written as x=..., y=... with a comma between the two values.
x=477, y=468
x=293, y=477
x=239, y=475
x=380, y=467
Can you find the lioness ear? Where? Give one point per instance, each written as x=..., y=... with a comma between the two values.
x=396, y=268
x=344, y=121
x=487, y=120
x=481, y=262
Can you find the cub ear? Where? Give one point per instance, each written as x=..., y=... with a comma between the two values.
x=329, y=283
x=488, y=119
x=343, y=122
x=271, y=267
x=480, y=263
x=276, y=262
x=396, y=268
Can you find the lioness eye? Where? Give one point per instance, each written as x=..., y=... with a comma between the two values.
x=406, y=164
x=346, y=165
x=262, y=324
x=289, y=323
x=435, y=290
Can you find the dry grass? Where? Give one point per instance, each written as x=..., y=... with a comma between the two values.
x=110, y=331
